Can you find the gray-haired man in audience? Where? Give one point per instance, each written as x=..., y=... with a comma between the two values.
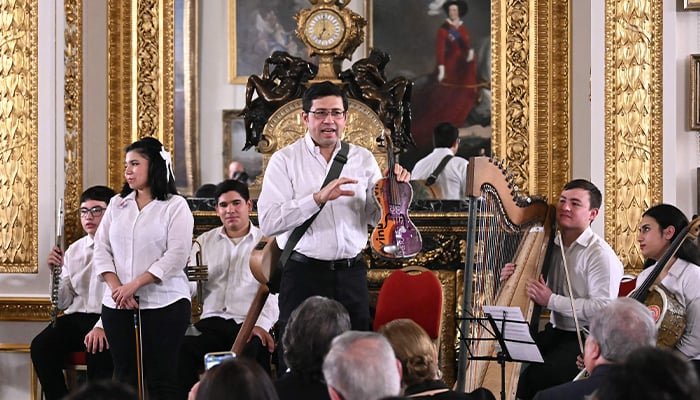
x=361, y=366
x=621, y=328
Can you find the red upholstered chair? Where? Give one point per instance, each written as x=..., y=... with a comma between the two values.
x=411, y=292
x=627, y=285
x=74, y=362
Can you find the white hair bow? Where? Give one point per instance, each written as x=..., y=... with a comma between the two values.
x=168, y=163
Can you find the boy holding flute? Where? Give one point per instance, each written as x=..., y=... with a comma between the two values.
x=80, y=297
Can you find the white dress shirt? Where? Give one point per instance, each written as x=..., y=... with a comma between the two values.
x=293, y=174
x=595, y=273
x=79, y=290
x=156, y=239
x=231, y=287
x=452, y=181
x=683, y=281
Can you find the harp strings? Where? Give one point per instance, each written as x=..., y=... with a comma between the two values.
x=496, y=243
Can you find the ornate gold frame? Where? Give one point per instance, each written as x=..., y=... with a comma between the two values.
x=633, y=121
x=140, y=77
x=694, y=106
x=73, y=110
x=191, y=99
x=19, y=133
x=691, y=4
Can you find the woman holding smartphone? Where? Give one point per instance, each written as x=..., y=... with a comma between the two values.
x=141, y=248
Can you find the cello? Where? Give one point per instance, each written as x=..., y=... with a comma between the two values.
x=395, y=236
x=668, y=313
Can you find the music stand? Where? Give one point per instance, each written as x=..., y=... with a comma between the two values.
x=517, y=346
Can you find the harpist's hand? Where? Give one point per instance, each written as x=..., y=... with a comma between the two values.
x=507, y=271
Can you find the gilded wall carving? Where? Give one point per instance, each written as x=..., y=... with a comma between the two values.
x=73, y=106
x=18, y=136
x=24, y=309
x=531, y=92
x=140, y=84
x=633, y=111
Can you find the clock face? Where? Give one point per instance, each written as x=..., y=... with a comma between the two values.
x=324, y=29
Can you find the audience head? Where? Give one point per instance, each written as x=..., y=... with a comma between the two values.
x=104, y=390
x=651, y=373
x=445, y=135
x=158, y=168
x=361, y=366
x=309, y=332
x=236, y=378
x=414, y=348
x=621, y=328
x=93, y=203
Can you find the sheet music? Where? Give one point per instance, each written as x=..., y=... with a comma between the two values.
x=520, y=344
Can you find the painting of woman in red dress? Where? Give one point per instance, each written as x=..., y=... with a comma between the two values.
x=452, y=96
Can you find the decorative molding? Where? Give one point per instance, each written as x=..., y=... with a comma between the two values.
x=25, y=309
x=531, y=92
x=633, y=121
x=119, y=83
x=19, y=95
x=73, y=110
x=140, y=84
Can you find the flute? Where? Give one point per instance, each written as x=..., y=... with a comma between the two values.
x=56, y=269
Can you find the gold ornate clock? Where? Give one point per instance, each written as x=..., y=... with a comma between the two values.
x=332, y=32
x=324, y=28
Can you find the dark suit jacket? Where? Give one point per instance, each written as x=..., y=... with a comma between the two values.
x=291, y=386
x=578, y=389
x=415, y=392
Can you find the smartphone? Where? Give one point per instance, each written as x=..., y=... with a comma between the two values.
x=212, y=359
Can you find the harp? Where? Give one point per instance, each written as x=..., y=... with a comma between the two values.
x=503, y=227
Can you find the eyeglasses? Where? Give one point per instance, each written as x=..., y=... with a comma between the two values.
x=94, y=211
x=323, y=114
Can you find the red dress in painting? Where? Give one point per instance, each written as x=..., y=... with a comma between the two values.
x=451, y=99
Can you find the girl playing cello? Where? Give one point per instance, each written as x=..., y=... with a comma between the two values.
x=659, y=226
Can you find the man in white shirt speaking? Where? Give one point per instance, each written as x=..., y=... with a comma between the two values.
x=230, y=288
x=326, y=260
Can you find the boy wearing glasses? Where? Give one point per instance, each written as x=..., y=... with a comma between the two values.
x=326, y=261
x=80, y=297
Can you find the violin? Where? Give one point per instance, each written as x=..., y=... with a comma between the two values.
x=395, y=236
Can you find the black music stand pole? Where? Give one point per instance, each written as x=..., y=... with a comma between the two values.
x=502, y=356
x=497, y=333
